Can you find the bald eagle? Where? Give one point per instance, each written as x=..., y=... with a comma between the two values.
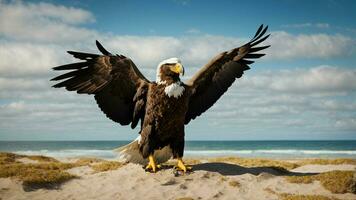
x=163, y=107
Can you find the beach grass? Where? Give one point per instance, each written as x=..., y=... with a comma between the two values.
x=317, y=161
x=234, y=183
x=287, y=165
x=256, y=162
x=334, y=181
x=106, y=166
x=288, y=196
x=47, y=170
x=285, y=196
x=37, y=174
x=88, y=161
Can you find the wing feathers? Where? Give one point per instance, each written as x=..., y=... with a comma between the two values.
x=260, y=34
x=71, y=66
x=83, y=56
x=258, y=48
x=113, y=79
x=259, y=41
x=254, y=55
x=213, y=80
x=102, y=49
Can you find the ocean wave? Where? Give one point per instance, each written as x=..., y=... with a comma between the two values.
x=259, y=152
x=271, y=152
x=72, y=153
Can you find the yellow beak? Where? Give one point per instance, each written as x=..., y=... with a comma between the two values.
x=177, y=68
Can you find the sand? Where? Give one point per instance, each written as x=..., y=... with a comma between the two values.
x=211, y=180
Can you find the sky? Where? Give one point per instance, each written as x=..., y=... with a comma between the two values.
x=303, y=89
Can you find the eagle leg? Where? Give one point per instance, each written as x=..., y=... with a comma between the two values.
x=152, y=166
x=181, y=166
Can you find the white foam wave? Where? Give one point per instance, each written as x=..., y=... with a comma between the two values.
x=270, y=152
x=72, y=153
x=260, y=152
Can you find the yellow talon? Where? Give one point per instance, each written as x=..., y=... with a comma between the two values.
x=152, y=164
x=181, y=166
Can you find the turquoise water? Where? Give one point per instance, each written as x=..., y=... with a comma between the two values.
x=267, y=149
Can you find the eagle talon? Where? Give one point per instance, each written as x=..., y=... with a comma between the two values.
x=182, y=167
x=152, y=166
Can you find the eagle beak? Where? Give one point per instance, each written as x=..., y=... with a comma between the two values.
x=178, y=68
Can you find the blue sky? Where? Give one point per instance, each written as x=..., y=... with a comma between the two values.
x=304, y=88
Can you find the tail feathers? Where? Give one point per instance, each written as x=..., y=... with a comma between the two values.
x=131, y=153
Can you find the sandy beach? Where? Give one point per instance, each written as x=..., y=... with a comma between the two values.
x=213, y=178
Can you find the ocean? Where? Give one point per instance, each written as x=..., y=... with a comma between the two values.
x=262, y=149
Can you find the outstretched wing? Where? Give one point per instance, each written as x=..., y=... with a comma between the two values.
x=212, y=81
x=114, y=80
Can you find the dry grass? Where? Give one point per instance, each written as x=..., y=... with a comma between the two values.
x=37, y=174
x=256, y=162
x=234, y=184
x=7, y=158
x=40, y=158
x=338, y=161
x=48, y=171
x=285, y=196
x=185, y=198
x=334, y=181
x=259, y=162
x=87, y=161
x=106, y=166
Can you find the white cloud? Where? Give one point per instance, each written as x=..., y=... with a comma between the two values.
x=28, y=59
x=193, y=31
x=36, y=36
x=288, y=46
x=322, y=80
x=44, y=22
x=305, y=25
x=346, y=124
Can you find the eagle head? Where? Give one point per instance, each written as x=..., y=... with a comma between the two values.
x=169, y=70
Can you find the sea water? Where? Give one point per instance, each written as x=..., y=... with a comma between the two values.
x=264, y=149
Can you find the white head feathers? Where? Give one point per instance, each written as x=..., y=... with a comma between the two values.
x=167, y=61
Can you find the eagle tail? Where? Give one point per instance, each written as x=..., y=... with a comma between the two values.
x=131, y=153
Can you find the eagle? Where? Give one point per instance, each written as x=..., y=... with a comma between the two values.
x=163, y=107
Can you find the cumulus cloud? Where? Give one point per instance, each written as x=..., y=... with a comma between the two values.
x=29, y=59
x=44, y=22
x=305, y=25
x=288, y=46
x=321, y=79
x=36, y=35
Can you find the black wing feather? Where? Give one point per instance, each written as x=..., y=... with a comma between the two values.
x=213, y=80
x=113, y=80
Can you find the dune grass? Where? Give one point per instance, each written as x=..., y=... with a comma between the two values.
x=234, y=183
x=334, y=181
x=337, y=161
x=87, y=161
x=37, y=174
x=285, y=196
x=288, y=165
x=185, y=198
x=256, y=162
x=106, y=166
x=288, y=196
x=47, y=171
x=6, y=158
